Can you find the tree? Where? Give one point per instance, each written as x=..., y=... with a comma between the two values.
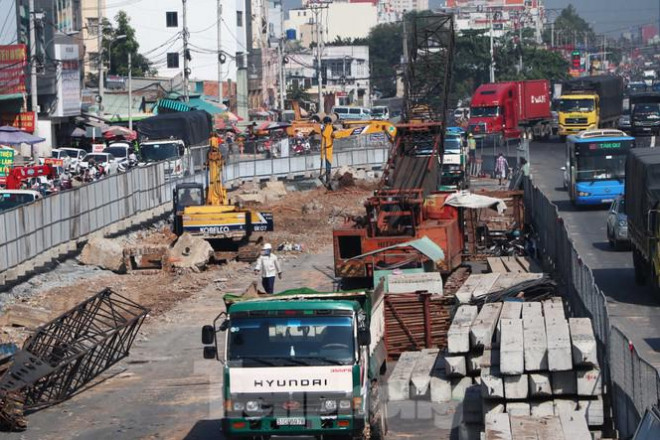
x=295, y=93
x=471, y=63
x=385, y=50
x=570, y=29
x=120, y=48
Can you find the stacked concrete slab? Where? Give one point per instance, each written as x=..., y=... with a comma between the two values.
x=527, y=359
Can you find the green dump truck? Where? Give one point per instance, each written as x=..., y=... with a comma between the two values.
x=303, y=363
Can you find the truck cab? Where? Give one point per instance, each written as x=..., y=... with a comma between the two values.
x=174, y=151
x=578, y=112
x=300, y=363
x=491, y=111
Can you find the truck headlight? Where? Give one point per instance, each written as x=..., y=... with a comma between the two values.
x=239, y=406
x=252, y=406
x=623, y=223
x=583, y=194
x=330, y=405
x=344, y=404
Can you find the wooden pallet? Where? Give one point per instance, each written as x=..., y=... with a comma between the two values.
x=513, y=265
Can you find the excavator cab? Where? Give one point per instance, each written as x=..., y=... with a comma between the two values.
x=185, y=194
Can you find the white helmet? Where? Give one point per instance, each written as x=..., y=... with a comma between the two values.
x=267, y=247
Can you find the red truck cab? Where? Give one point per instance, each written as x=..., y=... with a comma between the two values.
x=511, y=110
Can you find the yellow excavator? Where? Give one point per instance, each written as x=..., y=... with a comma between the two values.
x=209, y=214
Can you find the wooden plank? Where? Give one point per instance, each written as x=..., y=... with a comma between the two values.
x=512, y=265
x=496, y=265
x=525, y=263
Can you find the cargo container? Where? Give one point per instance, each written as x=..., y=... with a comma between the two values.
x=511, y=110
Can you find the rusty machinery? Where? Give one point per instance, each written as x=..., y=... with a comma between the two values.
x=406, y=205
x=66, y=354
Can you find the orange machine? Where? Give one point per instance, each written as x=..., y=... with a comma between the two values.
x=308, y=127
x=394, y=217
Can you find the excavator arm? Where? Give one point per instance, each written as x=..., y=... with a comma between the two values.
x=216, y=193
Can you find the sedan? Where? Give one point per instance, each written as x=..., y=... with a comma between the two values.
x=106, y=160
x=617, y=225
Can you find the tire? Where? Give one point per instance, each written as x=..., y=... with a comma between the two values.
x=610, y=241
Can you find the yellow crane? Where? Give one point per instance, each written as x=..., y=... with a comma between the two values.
x=209, y=214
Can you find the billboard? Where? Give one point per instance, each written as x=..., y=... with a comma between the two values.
x=13, y=64
x=23, y=120
x=68, y=80
x=6, y=162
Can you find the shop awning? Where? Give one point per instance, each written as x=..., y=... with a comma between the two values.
x=173, y=105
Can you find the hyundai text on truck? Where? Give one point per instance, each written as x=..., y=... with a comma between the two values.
x=645, y=114
x=301, y=363
x=510, y=110
x=642, y=205
x=589, y=103
x=169, y=137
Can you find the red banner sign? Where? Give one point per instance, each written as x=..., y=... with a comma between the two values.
x=13, y=62
x=54, y=162
x=24, y=121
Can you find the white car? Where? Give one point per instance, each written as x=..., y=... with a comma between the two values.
x=75, y=154
x=106, y=160
x=120, y=150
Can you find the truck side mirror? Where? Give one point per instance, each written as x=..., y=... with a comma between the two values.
x=208, y=335
x=224, y=325
x=210, y=352
x=364, y=337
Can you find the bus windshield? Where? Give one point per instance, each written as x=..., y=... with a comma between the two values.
x=576, y=105
x=288, y=341
x=601, y=160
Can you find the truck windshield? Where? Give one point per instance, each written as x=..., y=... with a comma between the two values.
x=12, y=200
x=158, y=152
x=484, y=112
x=601, y=167
x=576, y=105
x=287, y=341
x=453, y=144
x=647, y=112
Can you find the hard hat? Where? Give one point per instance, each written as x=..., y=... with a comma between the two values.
x=469, y=134
x=267, y=247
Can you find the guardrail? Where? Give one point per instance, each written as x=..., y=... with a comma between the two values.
x=633, y=383
x=32, y=235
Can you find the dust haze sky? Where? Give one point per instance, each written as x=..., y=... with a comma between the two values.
x=613, y=16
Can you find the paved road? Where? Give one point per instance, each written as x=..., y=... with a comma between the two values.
x=634, y=309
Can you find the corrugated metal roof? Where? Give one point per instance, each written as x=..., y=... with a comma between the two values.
x=208, y=106
x=117, y=104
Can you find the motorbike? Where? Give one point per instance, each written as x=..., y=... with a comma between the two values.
x=301, y=147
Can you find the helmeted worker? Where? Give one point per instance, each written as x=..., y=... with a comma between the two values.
x=268, y=265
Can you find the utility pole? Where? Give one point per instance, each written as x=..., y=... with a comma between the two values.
x=492, y=54
x=281, y=57
x=99, y=40
x=34, y=92
x=317, y=9
x=130, y=92
x=520, y=46
x=220, y=55
x=186, y=70
x=552, y=34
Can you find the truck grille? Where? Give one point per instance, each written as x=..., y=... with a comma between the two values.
x=576, y=121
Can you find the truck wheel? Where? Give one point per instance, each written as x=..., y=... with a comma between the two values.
x=640, y=275
x=378, y=414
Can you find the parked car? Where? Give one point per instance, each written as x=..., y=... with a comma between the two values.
x=352, y=113
x=380, y=113
x=617, y=225
x=106, y=160
x=75, y=154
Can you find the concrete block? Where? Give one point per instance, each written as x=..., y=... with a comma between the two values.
x=563, y=383
x=490, y=358
x=459, y=386
x=472, y=407
x=593, y=411
x=512, y=361
x=589, y=382
x=516, y=387
x=574, y=425
x=458, y=336
x=542, y=409
x=440, y=389
x=421, y=375
x=483, y=327
x=498, y=427
x=517, y=409
x=430, y=282
x=510, y=310
x=548, y=426
x=536, y=344
x=583, y=342
x=475, y=286
x=492, y=407
x=492, y=385
x=474, y=360
x=398, y=384
x=455, y=366
x=539, y=385
x=568, y=405
x=560, y=357
x=532, y=312
x=553, y=310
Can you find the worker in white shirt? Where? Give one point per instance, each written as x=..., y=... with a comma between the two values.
x=268, y=266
